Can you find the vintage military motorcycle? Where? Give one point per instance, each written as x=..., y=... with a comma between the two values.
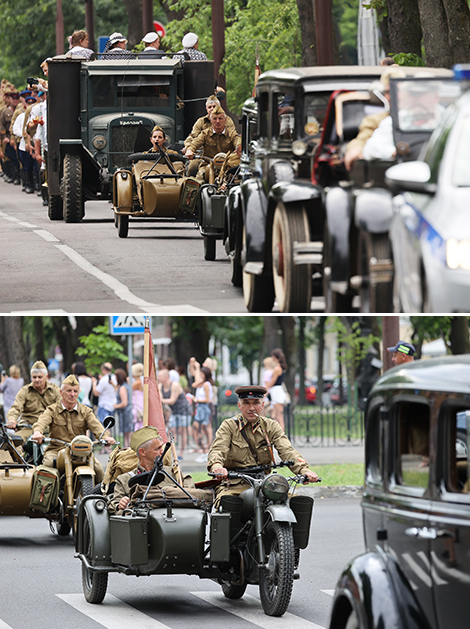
x=254, y=538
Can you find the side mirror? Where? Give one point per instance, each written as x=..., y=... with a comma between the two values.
x=220, y=94
x=109, y=422
x=410, y=177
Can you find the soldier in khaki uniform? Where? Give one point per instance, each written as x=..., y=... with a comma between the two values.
x=148, y=445
x=217, y=138
x=205, y=122
x=66, y=419
x=248, y=439
x=32, y=400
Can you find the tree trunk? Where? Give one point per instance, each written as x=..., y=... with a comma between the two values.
x=459, y=336
x=307, y=32
x=38, y=340
x=301, y=360
x=171, y=14
x=12, y=347
x=435, y=33
x=134, y=15
x=189, y=339
x=289, y=346
x=321, y=351
x=404, y=28
x=458, y=20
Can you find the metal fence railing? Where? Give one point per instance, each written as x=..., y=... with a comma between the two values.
x=314, y=425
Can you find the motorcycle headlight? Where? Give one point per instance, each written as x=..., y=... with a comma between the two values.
x=299, y=148
x=458, y=254
x=81, y=447
x=99, y=142
x=275, y=487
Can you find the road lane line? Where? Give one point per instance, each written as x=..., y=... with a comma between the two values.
x=329, y=592
x=13, y=219
x=46, y=235
x=30, y=225
x=249, y=608
x=3, y=625
x=112, y=613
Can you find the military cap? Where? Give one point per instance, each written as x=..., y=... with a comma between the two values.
x=30, y=99
x=251, y=393
x=25, y=93
x=143, y=435
x=218, y=109
x=403, y=347
x=38, y=366
x=71, y=380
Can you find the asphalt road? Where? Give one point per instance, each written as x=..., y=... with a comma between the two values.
x=41, y=583
x=57, y=267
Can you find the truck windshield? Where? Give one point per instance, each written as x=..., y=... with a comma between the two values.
x=130, y=91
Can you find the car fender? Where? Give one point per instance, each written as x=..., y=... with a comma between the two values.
x=233, y=220
x=375, y=588
x=256, y=215
x=339, y=209
x=93, y=509
x=373, y=210
x=123, y=184
x=91, y=178
x=281, y=513
x=289, y=192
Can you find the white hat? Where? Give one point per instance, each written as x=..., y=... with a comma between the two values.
x=189, y=40
x=150, y=37
x=115, y=37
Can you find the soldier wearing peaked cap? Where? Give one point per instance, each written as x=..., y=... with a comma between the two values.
x=248, y=439
x=66, y=419
x=32, y=400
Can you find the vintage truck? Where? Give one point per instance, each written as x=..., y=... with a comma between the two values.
x=99, y=112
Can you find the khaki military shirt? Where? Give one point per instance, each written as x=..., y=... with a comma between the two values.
x=121, y=488
x=230, y=450
x=30, y=404
x=66, y=425
x=213, y=143
x=5, y=121
x=367, y=127
x=205, y=123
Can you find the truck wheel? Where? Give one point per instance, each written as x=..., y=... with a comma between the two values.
x=209, y=247
x=94, y=584
x=292, y=283
x=375, y=296
x=258, y=290
x=334, y=302
x=55, y=209
x=72, y=180
x=232, y=591
x=122, y=225
x=277, y=577
x=236, y=269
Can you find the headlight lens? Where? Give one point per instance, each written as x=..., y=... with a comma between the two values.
x=275, y=487
x=299, y=148
x=458, y=254
x=99, y=142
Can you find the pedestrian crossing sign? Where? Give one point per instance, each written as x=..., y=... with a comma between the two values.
x=128, y=324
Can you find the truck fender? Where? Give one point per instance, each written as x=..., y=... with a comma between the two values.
x=374, y=210
x=339, y=210
x=233, y=220
x=94, y=511
x=281, y=513
x=123, y=201
x=256, y=218
x=294, y=191
x=376, y=590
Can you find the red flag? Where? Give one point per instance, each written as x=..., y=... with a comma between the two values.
x=153, y=414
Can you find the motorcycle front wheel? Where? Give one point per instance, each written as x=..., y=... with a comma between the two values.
x=276, y=579
x=95, y=584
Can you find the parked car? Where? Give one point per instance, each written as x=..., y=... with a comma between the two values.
x=310, y=390
x=357, y=257
x=415, y=570
x=430, y=231
x=277, y=238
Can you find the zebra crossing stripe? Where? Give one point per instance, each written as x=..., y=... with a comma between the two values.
x=249, y=608
x=111, y=613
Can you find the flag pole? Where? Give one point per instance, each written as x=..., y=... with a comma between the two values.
x=146, y=372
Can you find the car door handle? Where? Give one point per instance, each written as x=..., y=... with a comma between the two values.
x=428, y=533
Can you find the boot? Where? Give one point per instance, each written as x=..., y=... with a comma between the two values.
x=7, y=170
x=23, y=179
x=16, y=173
x=29, y=189
x=37, y=182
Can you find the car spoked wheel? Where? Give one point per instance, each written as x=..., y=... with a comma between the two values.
x=292, y=283
x=277, y=577
x=258, y=290
x=376, y=272
x=94, y=584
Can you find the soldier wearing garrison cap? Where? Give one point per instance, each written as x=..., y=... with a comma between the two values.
x=32, y=400
x=148, y=445
x=66, y=419
x=248, y=439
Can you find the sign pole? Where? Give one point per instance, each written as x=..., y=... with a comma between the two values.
x=146, y=378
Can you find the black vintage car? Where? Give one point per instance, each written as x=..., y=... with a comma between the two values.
x=276, y=218
x=415, y=573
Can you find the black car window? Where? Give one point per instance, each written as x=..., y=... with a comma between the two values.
x=455, y=459
x=263, y=115
x=283, y=122
x=437, y=142
x=412, y=427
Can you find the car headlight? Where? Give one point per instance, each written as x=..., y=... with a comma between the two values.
x=299, y=148
x=275, y=487
x=458, y=254
x=99, y=142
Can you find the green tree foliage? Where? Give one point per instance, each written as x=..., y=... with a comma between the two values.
x=99, y=347
x=243, y=336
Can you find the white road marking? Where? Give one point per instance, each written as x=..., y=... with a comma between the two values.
x=329, y=592
x=3, y=625
x=30, y=225
x=112, y=613
x=46, y=235
x=25, y=313
x=13, y=219
x=249, y=608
